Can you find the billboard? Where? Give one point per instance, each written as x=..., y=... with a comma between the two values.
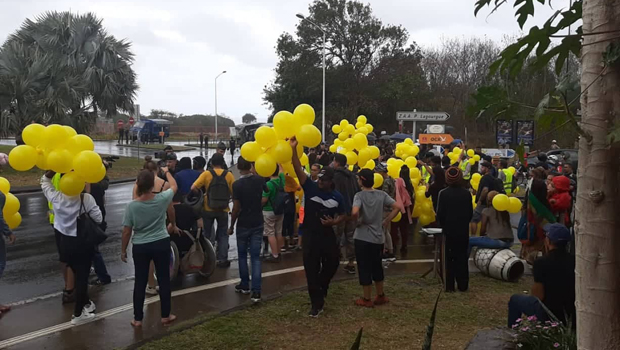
x=504, y=132
x=525, y=132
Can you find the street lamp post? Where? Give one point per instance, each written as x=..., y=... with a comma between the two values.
x=216, y=104
x=302, y=17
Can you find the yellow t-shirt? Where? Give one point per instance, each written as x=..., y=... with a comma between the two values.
x=204, y=180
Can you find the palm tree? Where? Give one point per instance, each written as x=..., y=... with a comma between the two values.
x=64, y=68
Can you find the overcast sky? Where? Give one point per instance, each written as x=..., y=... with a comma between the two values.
x=182, y=45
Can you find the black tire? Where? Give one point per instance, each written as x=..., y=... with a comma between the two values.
x=210, y=259
x=175, y=260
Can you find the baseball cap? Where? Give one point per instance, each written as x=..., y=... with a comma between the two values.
x=171, y=156
x=366, y=174
x=557, y=233
x=326, y=173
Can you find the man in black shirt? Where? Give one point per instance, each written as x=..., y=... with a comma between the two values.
x=247, y=213
x=324, y=209
x=554, y=282
x=454, y=212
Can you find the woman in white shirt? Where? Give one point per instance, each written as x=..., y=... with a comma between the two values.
x=77, y=253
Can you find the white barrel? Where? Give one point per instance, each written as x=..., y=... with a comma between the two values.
x=501, y=264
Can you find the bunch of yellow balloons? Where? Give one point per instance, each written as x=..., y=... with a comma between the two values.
x=406, y=149
x=61, y=149
x=502, y=202
x=423, y=208
x=10, y=211
x=271, y=146
x=407, y=152
x=352, y=141
x=475, y=181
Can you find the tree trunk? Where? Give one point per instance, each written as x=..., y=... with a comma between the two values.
x=598, y=200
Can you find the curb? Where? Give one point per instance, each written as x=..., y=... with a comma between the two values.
x=35, y=189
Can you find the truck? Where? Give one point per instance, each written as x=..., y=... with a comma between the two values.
x=151, y=130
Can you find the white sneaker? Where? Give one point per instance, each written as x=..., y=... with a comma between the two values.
x=90, y=308
x=151, y=291
x=83, y=318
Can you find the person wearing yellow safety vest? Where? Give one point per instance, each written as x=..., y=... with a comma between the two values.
x=426, y=170
x=68, y=295
x=505, y=175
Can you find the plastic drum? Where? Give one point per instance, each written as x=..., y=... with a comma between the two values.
x=501, y=264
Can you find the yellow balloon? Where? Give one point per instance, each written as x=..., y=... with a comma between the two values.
x=362, y=130
x=474, y=184
x=42, y=160
x=397, y=217
x=344, y=123
x=359, y=125
x=399, y=153
x=70, y=131
x=282, y=152
x=304, y=160
x=417, y=211
x=360, y=141
x=343, y=136
x=420, y=195
x=309, y=135
x=471, y=161
x=34, y=135
x=477, y=158
x=390, y=161
x=349, y=144
x=11, y=205
x=457, y=150
x=470, y=153
x=369, y=127
x=362, y=119
x=97, y=176
x=333, y=148
x=60, y=160
x=300, y=150
x=514, y=205
x=415, y=172
x=250, y=151
x=378, y=180
x=351, y=158
x=304, y=114
x=86, y=164
x=364, y=155
x=370, y=165
x=374, y=152
x=71, y=184
x=265, y=136
x=349, y=129
x=501, y=202
x=336, y=129
x=55, y=136
x=411, y=162
x=23, y=158
x=512, y=170
x=265, y=165
x=284, y=124
x=408, y=141
x=414, y=150
x=5, y=185
x=426, y=219
x=399, y=163
x=13, y=220
x=343, y=150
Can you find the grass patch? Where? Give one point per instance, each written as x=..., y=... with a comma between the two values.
x=283, y=323
x=159, y=147
x=122, y=168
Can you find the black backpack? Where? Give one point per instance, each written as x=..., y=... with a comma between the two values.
x=218, y=193
x=281, y=200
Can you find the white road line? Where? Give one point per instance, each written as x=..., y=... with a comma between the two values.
x=64, y=326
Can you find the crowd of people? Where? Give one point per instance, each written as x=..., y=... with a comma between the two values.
x=328, y=210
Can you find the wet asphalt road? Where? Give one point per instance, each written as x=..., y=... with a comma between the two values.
x=32, y=263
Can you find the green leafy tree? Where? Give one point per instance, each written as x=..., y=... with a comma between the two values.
x=597, y=43
x=370, y=68
x=248, y=118
x=65, y=68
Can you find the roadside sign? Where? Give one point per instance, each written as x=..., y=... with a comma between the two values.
x=435, y=139
x=422, y=116
x=503, y=153
x=436, y=129
x=131, y=120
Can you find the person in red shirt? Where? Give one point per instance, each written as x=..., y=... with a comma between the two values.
x=560, y=199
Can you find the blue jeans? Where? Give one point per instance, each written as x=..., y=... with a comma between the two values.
x=221, y=234
x=520, y=304
x=486, y=242
x=2, y=255
x=251, y=238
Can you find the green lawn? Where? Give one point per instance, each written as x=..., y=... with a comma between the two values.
x=283, y=323
x=122, y=168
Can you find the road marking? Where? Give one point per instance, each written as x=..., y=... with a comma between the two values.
x=67, y=325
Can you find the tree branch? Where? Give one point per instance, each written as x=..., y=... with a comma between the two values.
x=583, y=34
x=573, y=120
